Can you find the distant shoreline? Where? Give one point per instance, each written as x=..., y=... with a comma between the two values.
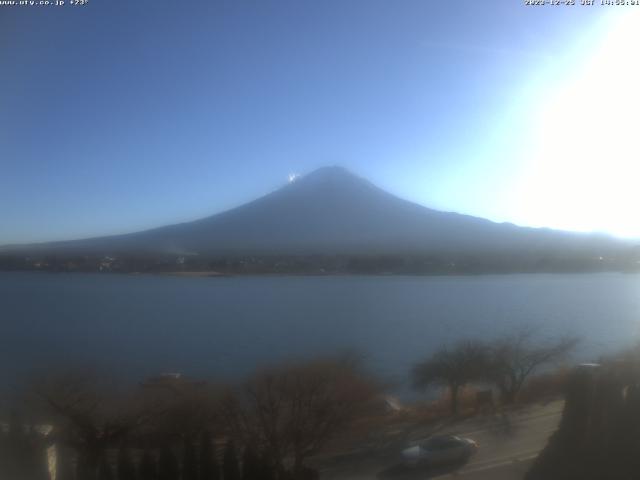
x=216, y=274
x=191, y=274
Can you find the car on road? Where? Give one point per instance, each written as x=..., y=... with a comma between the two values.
x=440, y=450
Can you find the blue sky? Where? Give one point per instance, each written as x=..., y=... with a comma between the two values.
x=123, y=115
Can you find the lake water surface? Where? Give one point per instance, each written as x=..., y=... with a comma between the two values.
x=143, y=325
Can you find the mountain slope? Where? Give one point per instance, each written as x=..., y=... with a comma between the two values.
x=333, y=211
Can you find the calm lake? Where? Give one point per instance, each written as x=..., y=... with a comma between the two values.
x=223, y=327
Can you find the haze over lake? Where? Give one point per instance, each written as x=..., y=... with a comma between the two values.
x=144, y=325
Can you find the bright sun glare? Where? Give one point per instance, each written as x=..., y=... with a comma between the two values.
x=583, y=169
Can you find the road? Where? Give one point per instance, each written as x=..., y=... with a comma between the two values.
x=508, y=444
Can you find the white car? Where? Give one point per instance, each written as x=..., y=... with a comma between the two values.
x=440, y=450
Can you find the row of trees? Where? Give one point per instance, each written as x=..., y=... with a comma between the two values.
x=22, y=452
x=24, y=456
x=266, y=427
x=506, y=362
x=170, y=428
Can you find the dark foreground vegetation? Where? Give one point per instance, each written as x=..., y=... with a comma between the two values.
x=599, y=434
x=87, y=426
x=84, y=427
x=408, y=264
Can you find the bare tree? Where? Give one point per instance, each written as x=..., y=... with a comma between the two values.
x=452, y=367
x=513, y=358
x=148, y=467
x=187, y=406
x=90, y=415
x=209, y=468
x=294, y=409
x=125, y=467
x=230, y=467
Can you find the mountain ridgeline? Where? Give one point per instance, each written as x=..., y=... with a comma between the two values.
x=332, y=212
